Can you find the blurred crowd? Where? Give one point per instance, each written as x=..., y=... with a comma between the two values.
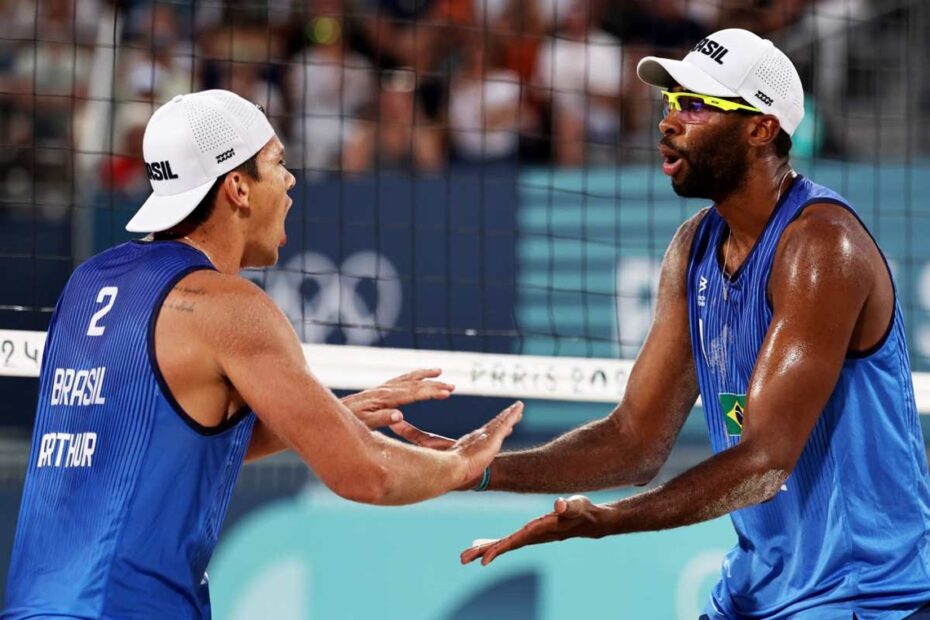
x=351, y=85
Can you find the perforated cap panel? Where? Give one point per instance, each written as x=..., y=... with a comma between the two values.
x=242, y=111
x=777, y=72
x=209, y=128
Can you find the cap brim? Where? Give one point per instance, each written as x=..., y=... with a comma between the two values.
x=162, y=212
x=665, y=73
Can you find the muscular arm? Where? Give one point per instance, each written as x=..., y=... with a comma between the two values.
x=258, y=352
x=631, y=444
x=825, y=255
x=822, y=282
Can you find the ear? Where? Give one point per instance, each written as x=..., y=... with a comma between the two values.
x=237, y=188
x=763, y=130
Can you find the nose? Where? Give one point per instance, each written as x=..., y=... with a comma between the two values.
x=670, y=124
x=291, y=180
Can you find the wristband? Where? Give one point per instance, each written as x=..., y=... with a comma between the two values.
x=485, y=480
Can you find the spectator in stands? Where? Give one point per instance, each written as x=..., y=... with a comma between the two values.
x=159, y=63
x=517, y=29
x=403, y=138
x=761, y=17
x=579, y=71
x=331, y=87
x=123, y=170
x=484, y=104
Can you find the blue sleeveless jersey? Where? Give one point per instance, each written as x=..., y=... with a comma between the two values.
x=124, y=494
x=848, y=532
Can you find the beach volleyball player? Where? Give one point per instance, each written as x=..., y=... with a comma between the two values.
x=164, y=370
x=777, y=307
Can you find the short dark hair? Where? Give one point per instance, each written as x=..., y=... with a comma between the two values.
x=782, y=143
x=206, y=205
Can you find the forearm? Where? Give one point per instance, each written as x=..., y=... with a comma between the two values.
x=731, y=480
x=415, y=474
x=265, y=443
x=595, y=456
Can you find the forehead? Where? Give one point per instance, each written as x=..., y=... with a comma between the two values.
x=274, y=148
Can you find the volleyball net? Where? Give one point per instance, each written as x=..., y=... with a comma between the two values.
x=478, y=187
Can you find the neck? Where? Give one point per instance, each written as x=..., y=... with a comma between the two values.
x=747, y=209
x=223, y=250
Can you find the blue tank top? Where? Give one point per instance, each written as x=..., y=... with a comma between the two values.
x=124, y=494
x=848, y=531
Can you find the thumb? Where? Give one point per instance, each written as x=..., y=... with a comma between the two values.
x=572, y=507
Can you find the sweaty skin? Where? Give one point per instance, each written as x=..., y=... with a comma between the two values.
x=824, y=254
x=222, y=344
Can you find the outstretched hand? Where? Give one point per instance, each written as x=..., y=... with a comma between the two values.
x=378, y=407
x=424, y=439
x=479, y=447
x=575, y=517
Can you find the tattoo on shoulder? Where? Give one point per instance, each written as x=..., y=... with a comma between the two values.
x=191, y=291
x=182, y=306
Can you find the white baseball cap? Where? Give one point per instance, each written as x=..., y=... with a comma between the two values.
x=735, y=63
x=190, y=142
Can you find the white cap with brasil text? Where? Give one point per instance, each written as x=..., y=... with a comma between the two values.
x=735, y=63
x=190, y=142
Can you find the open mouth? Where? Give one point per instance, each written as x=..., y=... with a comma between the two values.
x=671, y=164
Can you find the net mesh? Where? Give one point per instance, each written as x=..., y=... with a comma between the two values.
x=473, y=175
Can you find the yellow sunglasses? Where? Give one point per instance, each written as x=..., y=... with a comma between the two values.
x=694, y=108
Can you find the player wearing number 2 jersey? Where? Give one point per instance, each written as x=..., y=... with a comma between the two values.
x=164, y=370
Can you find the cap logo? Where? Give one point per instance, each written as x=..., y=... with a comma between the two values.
x=225, y=155
x=160, y=171
x=711, y=48
x=761, y=96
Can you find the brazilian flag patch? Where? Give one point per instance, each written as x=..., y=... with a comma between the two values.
x=734, y=408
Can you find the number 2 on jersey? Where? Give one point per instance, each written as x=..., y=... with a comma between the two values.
x=107, y=296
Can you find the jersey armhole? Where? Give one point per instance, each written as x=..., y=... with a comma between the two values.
x=850, y=355
x=196, y=426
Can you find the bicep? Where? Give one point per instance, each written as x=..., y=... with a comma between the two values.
x=818, y=291
x=662, y=387
x=263, y=359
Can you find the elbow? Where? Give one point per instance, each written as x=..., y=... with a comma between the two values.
x=650, y=464
x=770, y=471
x=371, y=486
x=646, y=476
x=647, y=472
x=769, y=483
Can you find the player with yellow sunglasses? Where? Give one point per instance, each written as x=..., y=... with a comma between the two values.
x=695, y=108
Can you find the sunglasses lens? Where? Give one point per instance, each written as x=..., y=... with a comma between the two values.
x=692, y=105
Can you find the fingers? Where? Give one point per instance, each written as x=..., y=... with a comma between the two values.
x=381, y=418
x=506, y=419
x=434, y=389
x=476, y=551
x=405, y=392
x=411, y=433
x=534, y=532
x=527, y=535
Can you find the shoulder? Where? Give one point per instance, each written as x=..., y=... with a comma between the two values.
x=675, y=262
x=825, y=230
x=680, y=246
x=825, y=248
x=222, y=301
x=227, y=314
